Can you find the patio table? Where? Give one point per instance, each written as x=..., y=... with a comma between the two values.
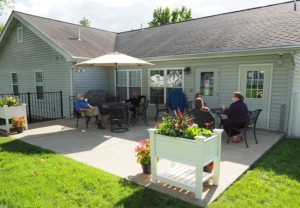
x=219, y=112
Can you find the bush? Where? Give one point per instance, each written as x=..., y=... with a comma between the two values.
x=9, y=101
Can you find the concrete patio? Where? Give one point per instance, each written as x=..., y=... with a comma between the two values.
x=114, y=153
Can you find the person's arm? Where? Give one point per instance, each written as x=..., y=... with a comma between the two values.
x=212, y=117
x=77, y=105
x=229, y=111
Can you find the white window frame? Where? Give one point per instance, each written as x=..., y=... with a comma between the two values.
x=165, y=80
x=127, y=79
x=15, y=84
x=20, y=33
x=43, y=83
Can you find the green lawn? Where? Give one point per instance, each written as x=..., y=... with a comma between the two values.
x=34, y=177
x=273, y=182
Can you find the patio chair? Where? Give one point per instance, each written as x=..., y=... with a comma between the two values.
x=119, y=118
x=189, y=106
x=160, y=108
x=78, y=115
x=202, y=118
x=142, y=111
x=251, y=120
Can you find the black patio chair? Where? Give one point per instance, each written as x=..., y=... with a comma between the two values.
x=78, y=115
x=160, y=108
x=202, y=118
x=119, y=118
x=189, y=106
x=141, y=111
x=251, y=120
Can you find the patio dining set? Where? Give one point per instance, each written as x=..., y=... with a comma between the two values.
x=119, y=113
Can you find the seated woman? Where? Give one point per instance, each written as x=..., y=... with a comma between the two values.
x=198, y=95
x=238, y=111
x=199, y=113
x=135, y=101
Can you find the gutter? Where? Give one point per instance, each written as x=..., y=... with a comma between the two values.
x=224, y=54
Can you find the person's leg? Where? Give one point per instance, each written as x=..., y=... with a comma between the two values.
x=233, y=132
x=96, y=113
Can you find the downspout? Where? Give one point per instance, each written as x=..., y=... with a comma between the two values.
x=71, y=78
x=290, y=118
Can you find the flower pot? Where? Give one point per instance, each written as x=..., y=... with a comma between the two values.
x=20, y=129
x=146, y=168
x=208, y=169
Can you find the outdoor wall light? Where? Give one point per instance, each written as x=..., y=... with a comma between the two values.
x=80, y=70
x=187, y=70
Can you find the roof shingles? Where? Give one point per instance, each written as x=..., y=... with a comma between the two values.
x=264, y=27
x=94, y=42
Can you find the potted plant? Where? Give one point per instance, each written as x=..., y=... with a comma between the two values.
x=143, y=155
x=9, y=101
x=9, y=108
x=179, y=140
x=182, y=126
x=18, y=123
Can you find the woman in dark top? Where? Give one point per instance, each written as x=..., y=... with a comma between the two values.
x=198, y=115
x=238, y=111
x=135, y=100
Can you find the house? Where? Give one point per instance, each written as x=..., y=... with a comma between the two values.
x=255, y=51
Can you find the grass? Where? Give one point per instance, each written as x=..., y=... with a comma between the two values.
x=35, y=177
x=273, y=182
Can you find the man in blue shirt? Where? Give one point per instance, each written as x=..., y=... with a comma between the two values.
x=87, y=110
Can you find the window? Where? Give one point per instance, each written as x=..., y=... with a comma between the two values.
x=39, y=85
x=255, y=84
x=14, y=77
x=162, y=82
x=20, y=34
x=129, y=81
x=207, y=83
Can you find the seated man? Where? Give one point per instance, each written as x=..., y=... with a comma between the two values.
x=83, y=106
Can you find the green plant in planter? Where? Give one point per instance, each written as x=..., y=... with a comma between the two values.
x=9, y=101
x=181, y=126
x=143, y=152
x=18, y=121
x=192, y=131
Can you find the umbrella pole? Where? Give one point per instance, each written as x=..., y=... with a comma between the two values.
x=116, y=82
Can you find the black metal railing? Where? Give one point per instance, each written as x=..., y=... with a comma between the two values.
x=40, y=107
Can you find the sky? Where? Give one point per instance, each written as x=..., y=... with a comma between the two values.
x=125, y=15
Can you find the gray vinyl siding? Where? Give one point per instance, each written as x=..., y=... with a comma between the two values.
x=29, y=56
x=93, y=78
x=228, y=81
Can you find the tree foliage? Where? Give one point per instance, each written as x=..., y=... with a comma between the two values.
x=85, y=22
x=1, y=27
x=5, y=3
x=164, y=16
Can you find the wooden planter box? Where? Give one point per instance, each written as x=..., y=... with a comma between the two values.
x=196, y=153
x=10, y=112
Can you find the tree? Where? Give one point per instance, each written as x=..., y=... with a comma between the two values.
x=1, y=27
x=5, y=3
x=160, y=17
x=164, y=16
x=85, y=22
x=181, y=15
